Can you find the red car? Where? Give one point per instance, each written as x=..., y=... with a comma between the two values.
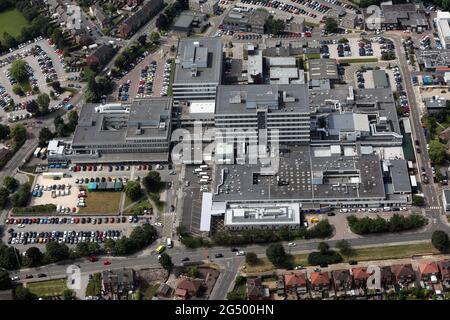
x=95, y=259
x=106, y=263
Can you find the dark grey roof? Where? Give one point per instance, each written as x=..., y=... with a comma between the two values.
x=380, y=79
x=400, y=176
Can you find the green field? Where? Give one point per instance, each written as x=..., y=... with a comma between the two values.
x=361, y=254
x=12, y=22
x=358, y=60
x=49, y=288
x=101, y=203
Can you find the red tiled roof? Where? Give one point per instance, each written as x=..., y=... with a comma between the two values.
x=295, y=279
x=360, y=273
x=320, y=278
x=180, y=292
x=428, y=268
x=189, y=285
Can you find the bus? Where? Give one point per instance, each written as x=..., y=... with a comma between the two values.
x=198, y=170
x=202, y=173
x=169, y=243
x=204, y=166
x=204, y=177
x=160, y=249
x=205, y=181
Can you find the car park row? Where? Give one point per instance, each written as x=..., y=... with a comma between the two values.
x=66, y=236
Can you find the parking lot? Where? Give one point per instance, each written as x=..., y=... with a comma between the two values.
x=46, y=65
x=354, y=50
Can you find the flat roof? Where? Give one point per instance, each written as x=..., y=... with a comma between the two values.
x=205, y=218
x=305, y=178
x=204, y=53
x=400, y=176
x=323, y=69
x=238, y=99
x=147, y=118
x=262, y=214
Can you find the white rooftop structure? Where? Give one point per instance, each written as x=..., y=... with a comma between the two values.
x=202, y=106
x=443, y=26
x=205, y=218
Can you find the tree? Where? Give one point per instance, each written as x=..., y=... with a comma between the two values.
x=133, y=190
x=33, y=107
x=17, y=89
x=437, y=152
x=166, y=261
x=4, y=194
x=331, y=25
x=162, y=22
x=22, y=293
x=9, y=41
x=276, y=254
x=192, y=271
x=19, y=70
x=10, y=183
x=154, y=37
x=9, y=257
x=5, y=280
x=22, y=196
x=4, y=131
x=56, y=251
x=45, y=135
x=19, y=134
x=345, y=248
x=34, y=256
x=418, y=200
x=251, y=258
x=274, y=26
x=440, y=240
x=68, y=294
x=323, y=247
x=43, y=100
x=152, y=182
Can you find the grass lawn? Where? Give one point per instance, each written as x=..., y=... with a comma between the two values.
x=138, y=207
x=101, y=203
x=312, y=55
x=12, y=22
x=49, y=288
x=94, y=286
x=361, y=254
x=172, y=75
x=358, y=60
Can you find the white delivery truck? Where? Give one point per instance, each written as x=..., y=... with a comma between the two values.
x=37, y=152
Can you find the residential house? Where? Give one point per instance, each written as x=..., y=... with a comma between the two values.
x=320, y=281
x=360, y=277
x=296, y=282
x=100, y=56
x=342, y=281
x=117, y=282
x=130, y=25
x=429, y=271
x=84, y=40
x=188, y=287
x=403, y=274
x=444, y=269
x=256, y=291
x=387, y=277
x=102, y=18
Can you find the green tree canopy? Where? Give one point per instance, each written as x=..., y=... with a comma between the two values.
x=133, y=190
x=5, y=280
x=345, y=248
x=331, y=25
x=19, y=70
x=251, y=258
x=34, y=256
x=276, y=254
x=10, y=183
x=437, y=152
x=165, y=261
x=57, y=251
x=440, y=240
x=19, y=134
